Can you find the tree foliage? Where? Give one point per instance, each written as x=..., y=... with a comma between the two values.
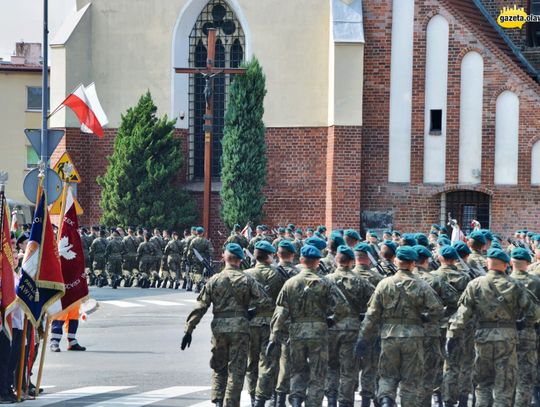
x=140, y=186
x=244, y=159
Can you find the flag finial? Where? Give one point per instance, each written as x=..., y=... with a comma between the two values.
x=3, y=180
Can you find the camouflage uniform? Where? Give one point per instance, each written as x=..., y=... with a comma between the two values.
x=370, y=361
x=253, y=242
x=396, y=308
x=526, y=347
x=114, y=252
x=145, y=259
x=230, y=293
x=307, y=299
x=433, y=356
x=157, y=242
x=534, y=268
x=97, y=253
x=329, y=262
x=477, y=261
x=131, y=244
x=343, y=367
x=173, y=252
x=454, y=363
x=297, y=243
x=496, y=301
x=261, y=370
x=237, y=238
x=86, y=241
x=205, y=249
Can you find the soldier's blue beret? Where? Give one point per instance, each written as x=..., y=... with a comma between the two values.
x=435, y=226
x=237, y=226
x=487, y=234
x=321, y=229
x=444, y=235
x=373, y=234
x=287, y=245
x=422, y=251
x=337, y=238
x=362, y=247
x=309, y=230
x=406, y=253
x=496, y=245
x=497, y=238
x=235, y=249
x=444, y=230
x=316, y=242
x=498, y=254
x=298, y=232
x=310, y=252
x=291, y=226
x=346, y=250
x=448, y=252
x=529, y=234
x=260, y=227
x=434, y=234
x=387, y=232
x=391, y=245
x=289, y=230
x=265, y=246
x=422, y=239
x=200, y=229
x=536, y=238
x=396, y=232
x=408, y=239
x=519, y=253
x=281, y=229
x=462, y=248
x=353, y=234
x=478, y=236
x=194, y=228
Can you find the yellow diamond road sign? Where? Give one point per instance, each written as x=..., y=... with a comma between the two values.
x=59, y=168
x=56, y=208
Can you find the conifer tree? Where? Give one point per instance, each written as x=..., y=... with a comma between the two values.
x=243, y=173
x=140, y=186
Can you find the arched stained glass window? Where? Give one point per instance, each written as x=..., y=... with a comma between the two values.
x=230, y=45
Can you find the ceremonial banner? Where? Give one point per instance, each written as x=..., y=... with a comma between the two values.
x=86, y=106
x=71, y=259
x=41, y=281
x=8, y=298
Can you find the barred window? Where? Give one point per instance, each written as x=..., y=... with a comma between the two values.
x=230, y=46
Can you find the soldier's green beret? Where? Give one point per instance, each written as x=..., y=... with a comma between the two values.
x=422, y=251
x=443, y=241
x=321, y=229
x=444, y=235
x=444, y=230
x=291, y=226
x=497, y=238
x=373, y=234
x=478, y=236
x=287, y=245
x=391, y=245
x=498, y=254
x=524, y=231
x=518, y=232
x=396, y=233
x=265, y=246
x=310, y=252
x=337, y=238
x=298, y=232
x=529, y=234
x=408, y=239
x=519, y=253
x=352, y=234
x=237, y=227
x=194, y=228
x=260, y=227
x=536, y=238
x=200, y=229
x=434, y=234
x=309, y=230
x=235, y=249
x=362, y=247
x=435, y=226
x=462, y=248
x=289, y=231
x=496, y=245
x=406, y=253
x=316, y=242
x=448, y=252
x=281, y=230
x=422, y=239
x=487, y=234
x=387, y=232
x=346, y=250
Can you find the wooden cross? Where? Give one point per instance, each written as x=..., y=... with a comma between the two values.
x=208, y=73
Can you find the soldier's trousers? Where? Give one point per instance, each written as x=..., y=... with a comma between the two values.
x=432, y=362
x=527, y=362
x=228, y=363
x=452, y=369
x=261, y=371
x=129, y=262
x=370, y=367
x=283, y=384
x=401, y=364
x=465, y=384
x=343, y=366
x=114, y=267
x=309, y=363
x=495, y=372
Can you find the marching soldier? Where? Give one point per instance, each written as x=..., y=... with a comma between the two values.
x=398, y=308
x=329, y=261
x=259, y=235
x=113, y=254
x=145, y=259
x=342, y=367
x=476, y=242
x=98, y=255
x=131, y=244
x=312, y=304
x=230, y=293
x=186, y=261
x=352, y=238
x=280, y=237
x=535, y=266
x=388, y=255
x=173, y=253
x=205, y=249
x=499, y=303
x=157, y=241
x=298, y=242
x=321, y=245
x=237, y=237
x=363, y=264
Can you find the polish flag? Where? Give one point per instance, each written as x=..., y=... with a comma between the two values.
x=14, y=221
x=85, y=104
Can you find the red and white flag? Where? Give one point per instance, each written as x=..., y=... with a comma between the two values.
x=85, y=104
x=72, y=259
x=14, y=221
x=7, y=286
x=247, y=231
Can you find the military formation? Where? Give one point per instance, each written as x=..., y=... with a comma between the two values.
x=139, y=258
x=304, y=316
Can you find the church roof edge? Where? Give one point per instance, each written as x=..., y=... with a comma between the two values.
x=64, y=33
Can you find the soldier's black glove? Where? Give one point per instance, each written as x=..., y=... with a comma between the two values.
x=251, y=313
x=186, y=341
x=270, y=348
x=451, y=344
x=425, y=317
x=520, y=324
x=360, y=348
x=330, y=322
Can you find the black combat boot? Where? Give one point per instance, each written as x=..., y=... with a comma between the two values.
x=386, y=402
x=536, y=397
x=295, y=401
x=252, y=396
x=281, y=400
x=437, y=398
x=259, y=402
x=332, y=401
x=218, y=403
x=463, y=400
x=366, y=402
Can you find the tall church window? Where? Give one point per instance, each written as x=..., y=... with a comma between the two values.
x=535, y=164
x=533, y=28
x=230, y=46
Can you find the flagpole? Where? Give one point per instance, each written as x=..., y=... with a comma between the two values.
x=3, y=180
x=21, y=359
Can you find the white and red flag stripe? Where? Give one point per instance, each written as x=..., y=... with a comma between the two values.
x=85, y=104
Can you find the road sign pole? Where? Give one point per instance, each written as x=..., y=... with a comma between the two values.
x=45, y=89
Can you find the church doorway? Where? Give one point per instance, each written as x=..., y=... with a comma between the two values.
x=466, y=206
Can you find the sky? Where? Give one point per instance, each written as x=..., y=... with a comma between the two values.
x=23, y=20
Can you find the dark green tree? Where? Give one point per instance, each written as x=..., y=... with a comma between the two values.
x=140, y=186
x=243, y=173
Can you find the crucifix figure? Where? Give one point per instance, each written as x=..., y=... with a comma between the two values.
x=208, y=73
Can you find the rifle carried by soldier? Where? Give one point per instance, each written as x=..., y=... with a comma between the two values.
x=390, y=265
x=208, y=267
